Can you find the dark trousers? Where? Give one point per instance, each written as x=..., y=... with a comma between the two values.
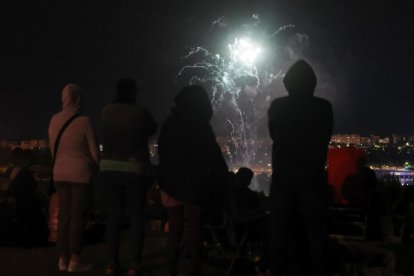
x=176, y=221
x=125, y=193
x=290, y=202
x=73, y=202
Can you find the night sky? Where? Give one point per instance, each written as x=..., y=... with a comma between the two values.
x=363, y=55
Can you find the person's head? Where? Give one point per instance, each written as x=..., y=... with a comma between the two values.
x=300, y=79
x=126, y=91
x=361, y=163
x=193, y=102
x=244, y=176
x=71, y=97
x=22, y=157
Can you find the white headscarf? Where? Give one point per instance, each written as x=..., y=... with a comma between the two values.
x=71, y=98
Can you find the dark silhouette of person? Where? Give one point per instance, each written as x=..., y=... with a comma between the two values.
x=192, y=170
x=75, y=166
x=249, y=216
x=125, y=128
x=405, y=208
x=245, y=198
x=31, y=223
x=357, y=187
x=300, y=125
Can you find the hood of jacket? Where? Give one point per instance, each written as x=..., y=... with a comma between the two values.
x=71, y=98
x=192, y=104
x=300, y=80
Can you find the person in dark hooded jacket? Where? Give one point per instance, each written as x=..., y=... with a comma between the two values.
x=191, y=169
x=300, y=126
x=125, y=165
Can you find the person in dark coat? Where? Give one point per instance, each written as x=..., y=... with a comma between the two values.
x=191, y=169
x=300, y=126
x=358, y=187
x=30, y=220
x=125, y=165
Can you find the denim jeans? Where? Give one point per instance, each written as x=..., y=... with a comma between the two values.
x=306, y=202
x=73, y=202
x=125, y=193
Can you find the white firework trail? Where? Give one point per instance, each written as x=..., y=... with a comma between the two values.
x=230, y=73
x=281, y=29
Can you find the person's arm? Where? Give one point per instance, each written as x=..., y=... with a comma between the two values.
x=272, y=120
x=92, y=142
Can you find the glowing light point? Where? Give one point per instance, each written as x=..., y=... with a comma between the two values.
x=244, y=51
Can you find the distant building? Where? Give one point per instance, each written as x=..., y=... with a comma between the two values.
x=347, y=139
x=13, y=144
x=367, y=141
x=385, y=140
x=406, y=177
x=396, y=139
x=44, y=144
x=26, y=144
x=401, y=139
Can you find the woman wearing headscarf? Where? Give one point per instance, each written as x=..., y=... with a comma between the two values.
x=125, y=129
x=75, y=164
x=191, y=169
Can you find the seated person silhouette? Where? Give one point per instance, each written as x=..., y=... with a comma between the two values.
x=31, y=223
x=357, y=187
x=247, y=214
x=245, y=198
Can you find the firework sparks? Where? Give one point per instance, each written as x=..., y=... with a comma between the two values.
x=238, y=72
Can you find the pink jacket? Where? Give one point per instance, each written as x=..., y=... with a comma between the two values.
x=77, y=156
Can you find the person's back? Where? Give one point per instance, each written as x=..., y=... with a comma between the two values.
x=125, y=131
x=301, y=129
x=187, y=133
x=300, y=126
x=77, y=155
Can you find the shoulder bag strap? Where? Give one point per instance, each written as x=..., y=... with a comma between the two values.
x=57, y=141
